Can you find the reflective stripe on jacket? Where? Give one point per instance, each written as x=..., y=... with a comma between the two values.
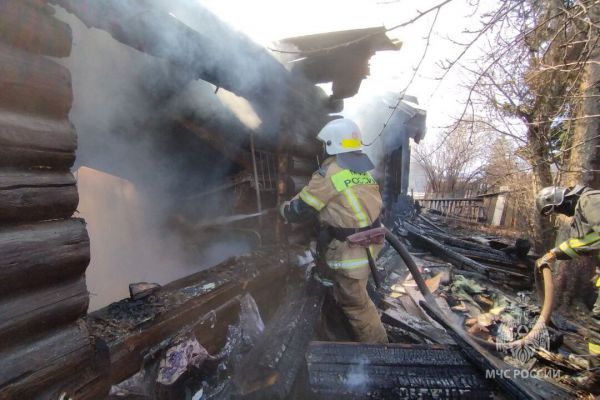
x=344, y=199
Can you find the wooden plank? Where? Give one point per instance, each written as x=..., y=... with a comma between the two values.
x=30, y=141
x=411, y=307
x=27, y=26
x=417, y=297
x=27, y=196
x=34, y=84
x=38, y=254
x=31, y=369
x=401, y=319
x=41, y=310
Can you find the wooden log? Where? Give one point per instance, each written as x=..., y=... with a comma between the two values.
x=34, y=84
x=30, y=141
x=32, y=255
x=27, y=196
x=41, y=310
x=35, y=369
x=27, y=26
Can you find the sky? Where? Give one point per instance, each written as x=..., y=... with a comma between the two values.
x=266, y=21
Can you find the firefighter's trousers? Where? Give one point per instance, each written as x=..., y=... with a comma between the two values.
x=351, y=295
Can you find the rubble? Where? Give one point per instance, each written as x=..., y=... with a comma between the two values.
x=486, y=299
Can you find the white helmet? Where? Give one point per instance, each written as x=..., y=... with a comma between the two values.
x=341, y=136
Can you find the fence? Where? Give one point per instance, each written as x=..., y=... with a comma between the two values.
x=498, y=209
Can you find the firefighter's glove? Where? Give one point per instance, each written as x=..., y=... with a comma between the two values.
x=545, y=260
x=283, y=207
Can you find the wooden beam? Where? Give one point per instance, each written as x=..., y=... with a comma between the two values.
x=207, y=313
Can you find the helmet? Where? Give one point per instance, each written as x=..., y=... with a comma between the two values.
x=341, y=136
x=550, y=197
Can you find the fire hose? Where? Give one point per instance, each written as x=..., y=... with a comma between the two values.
x=538, y=327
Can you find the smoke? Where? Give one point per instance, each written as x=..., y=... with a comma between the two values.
x=357, y=379
x=137, y=169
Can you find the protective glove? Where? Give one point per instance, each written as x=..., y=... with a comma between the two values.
x=282, y=207
x=545, y=260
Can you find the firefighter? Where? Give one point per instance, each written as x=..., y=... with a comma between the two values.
x=346, y=199
x=583, y=204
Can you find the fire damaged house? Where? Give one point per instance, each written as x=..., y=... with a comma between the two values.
x=144, y=148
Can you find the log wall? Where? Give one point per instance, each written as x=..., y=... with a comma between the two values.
x=46, y=349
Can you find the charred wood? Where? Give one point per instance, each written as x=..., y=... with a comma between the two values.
x=465, y=244
x=187, y=307
x=359, y=371
x=401, y=319
x=271, y=368
x=460, y=261
x=35, y=255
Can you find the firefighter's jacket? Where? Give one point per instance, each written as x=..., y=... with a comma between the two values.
x=585, y=228
x=344, y=199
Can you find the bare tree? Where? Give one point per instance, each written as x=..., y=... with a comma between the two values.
x=528, y=86
x=454, y=164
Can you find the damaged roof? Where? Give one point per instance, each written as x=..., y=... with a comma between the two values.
x=340, y=57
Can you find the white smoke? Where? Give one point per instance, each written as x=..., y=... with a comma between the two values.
x=133, y=175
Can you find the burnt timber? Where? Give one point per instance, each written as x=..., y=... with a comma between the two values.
x=360, y=371
x=51, y=347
